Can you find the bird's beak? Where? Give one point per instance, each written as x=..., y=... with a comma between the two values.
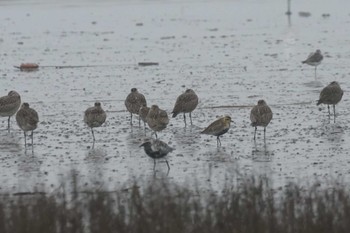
x=143, y=144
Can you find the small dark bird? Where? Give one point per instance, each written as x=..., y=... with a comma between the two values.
x=95, y=117
x=314, y=59
x=27, y=119
x=157, y=149
x=185, y=103
x=157, y=119
x=260, y=115
x=143, y=112
x=133, y=103
x=331, y=95
x=218, y=128
x=9, y=105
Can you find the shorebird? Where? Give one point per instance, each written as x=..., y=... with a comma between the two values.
x=94, y=117
x=314, y=59
x=157, y=119
x=27, y=119
x=133, y=103
x=331, y=95
x=9, y=105
x=157, y=149
x=185, y=103
x=218, y=128
x=143, y=112
x=260, y=115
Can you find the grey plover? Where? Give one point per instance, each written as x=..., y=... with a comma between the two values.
x=331, y=95
x=143, y=112
x=133, y=103
x=156, y=149
x=157, y=119
x=260, y=115
x=27, y=119
x=9, y=105
x=185, y=103
x=95, y=117
x=218, y=128
x=314, y=59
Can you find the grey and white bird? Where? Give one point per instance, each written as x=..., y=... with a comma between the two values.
x=27, y=119
x=143, y=112
x=314, y=59
x=218, y=128
x=260, y=115
x=9, y=105
x=133, y=102
x=157, y=119
x=156, y=149
x=94, y=117
x=186, y=103
x=331, y=95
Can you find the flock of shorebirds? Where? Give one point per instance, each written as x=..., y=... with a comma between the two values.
x=157, y=119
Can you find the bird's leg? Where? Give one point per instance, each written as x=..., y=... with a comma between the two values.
x=139, y=122
x=218, y=142
x=329, y=112
x=315, y=72
x=154, y=166
x=25, y=139
x=191, y=118
x=93, y=135
x=8, y=124
x=130, y=118
x=334, y=111
x=32, y=135
x=255, y=132
x=185, y=119
x=167, y=165
x=264, y=133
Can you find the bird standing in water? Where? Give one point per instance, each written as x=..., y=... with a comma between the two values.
x=133, y=102
x=260, y=115
x=9, y=105
x=185, y=103
x=157, y=119
x=27, y=119
x=218, y=128
x=314, y=59
x=331, y=95
x=94, y=117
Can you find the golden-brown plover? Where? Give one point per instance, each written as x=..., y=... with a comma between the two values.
x=218, y=128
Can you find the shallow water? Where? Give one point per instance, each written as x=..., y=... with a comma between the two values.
x=232, y=53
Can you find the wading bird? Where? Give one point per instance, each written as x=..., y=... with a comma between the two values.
x=157, y=119
x=185, y=103
x=331, y=95
x=260, y=115
x=27, y=119
x=218, y=128
x=94, y=117
x=133, y=103
x=143, y=112
x=9, y=105
x=314, y=59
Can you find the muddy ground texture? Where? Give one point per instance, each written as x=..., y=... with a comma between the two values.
x=231, y=53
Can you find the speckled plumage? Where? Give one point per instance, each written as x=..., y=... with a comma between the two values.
x=134, y=101
x=218, y=128
x=185, y=103
x=156, y=149
x=157, y=119
x=314, y=59
x=95, y=117
x=27, y=119
x=331, y=95
x=9, y=105
x=260, y=115
x=143, y=112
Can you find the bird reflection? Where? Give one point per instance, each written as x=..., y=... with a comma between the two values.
x=261, y=152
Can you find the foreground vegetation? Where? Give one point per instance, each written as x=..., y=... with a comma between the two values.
x=250, y=207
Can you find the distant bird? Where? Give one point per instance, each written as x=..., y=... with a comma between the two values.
x=157, y=149
x=218, y=128
x=314, y=59
x=185, y=103
x=143, y=112
x=157, y=119
x=260, y=115
x=331, y=95
x=133, y=103
x=95, y=117
x=27, y=119
x=9, y=105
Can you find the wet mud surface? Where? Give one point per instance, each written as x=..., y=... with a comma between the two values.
x=231, y=53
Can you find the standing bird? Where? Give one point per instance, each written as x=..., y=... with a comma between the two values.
x=143, y=112
x=260, y=115
x=157, y=119
x=94, y=117
x=218, y=128
x=9, y=105
x=314, y=59
x=133, y=102
x=157, y=149
x=331, y=95
x=185, y=103
x=27, y=119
